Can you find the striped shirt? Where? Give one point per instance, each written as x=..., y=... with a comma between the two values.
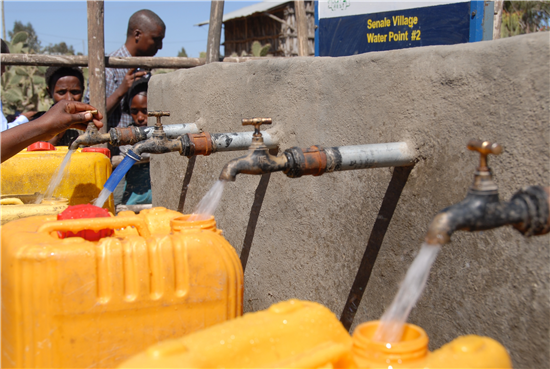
x=113, y=79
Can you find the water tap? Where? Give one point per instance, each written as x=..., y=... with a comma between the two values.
x=119, y=136
x=258, y=160
x=158, y=143
x=527, y=211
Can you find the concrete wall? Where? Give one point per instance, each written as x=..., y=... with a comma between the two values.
x=312, y=231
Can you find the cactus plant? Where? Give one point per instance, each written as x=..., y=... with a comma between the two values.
x=23, y=88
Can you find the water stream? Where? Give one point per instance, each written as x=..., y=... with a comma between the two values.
x=209, y=203
x=57, y=177
x=392, y=322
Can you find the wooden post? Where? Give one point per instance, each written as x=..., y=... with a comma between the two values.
x=301, y=27
x=497, y=23
x=96, y=58
x=214, y=31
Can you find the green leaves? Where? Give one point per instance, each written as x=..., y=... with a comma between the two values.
x=19, y=37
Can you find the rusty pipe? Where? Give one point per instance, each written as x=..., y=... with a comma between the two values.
x=317, y=160
x=119, y=136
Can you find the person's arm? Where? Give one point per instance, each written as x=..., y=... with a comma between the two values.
x=62, y=116
x=114, y=99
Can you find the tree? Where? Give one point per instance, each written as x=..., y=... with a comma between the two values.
x=182, y=53
x=521, y=17
x=59, y=49
x=33, y=43
x=202, y=55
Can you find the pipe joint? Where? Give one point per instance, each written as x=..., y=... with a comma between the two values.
x=312, y=161
x=537, y=219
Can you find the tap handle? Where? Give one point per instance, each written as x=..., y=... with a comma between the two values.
x=158, y=114
x=484, y=148
x=256, y=122
x=91, y=126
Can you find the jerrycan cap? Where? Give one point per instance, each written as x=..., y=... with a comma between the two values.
x=41, y=146
x=84, y=211
x=101, y=150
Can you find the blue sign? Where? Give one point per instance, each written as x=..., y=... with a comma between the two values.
x=443, y=24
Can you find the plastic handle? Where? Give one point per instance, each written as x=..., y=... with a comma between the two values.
x=96, y=224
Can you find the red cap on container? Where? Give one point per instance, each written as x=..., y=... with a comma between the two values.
x=41, y=146
x=101, y=150
x=81, y=212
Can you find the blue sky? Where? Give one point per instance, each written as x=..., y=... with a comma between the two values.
x=56, y=21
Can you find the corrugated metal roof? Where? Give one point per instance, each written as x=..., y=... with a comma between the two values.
x=249, y=10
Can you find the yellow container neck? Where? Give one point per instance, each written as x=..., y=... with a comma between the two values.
x=412, y=348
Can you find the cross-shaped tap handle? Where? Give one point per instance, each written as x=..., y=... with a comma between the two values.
x=256, y=122
x=484, y=148
x=158, y=114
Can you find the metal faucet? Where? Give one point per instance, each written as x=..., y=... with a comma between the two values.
x=118, y=136
x=258, y=160
x=527, y=211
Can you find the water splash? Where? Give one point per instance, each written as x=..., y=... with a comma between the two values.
x=103, y=196
x=209, y=203
x=392, y=322
x=57, y=177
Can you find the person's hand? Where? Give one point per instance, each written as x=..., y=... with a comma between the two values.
x=129, y=78
x=68, y=114
x=62, y=116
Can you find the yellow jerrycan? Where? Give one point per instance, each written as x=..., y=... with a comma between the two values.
x=13, y=208
x=79, y=293
x=303, y=334
x=30, y=171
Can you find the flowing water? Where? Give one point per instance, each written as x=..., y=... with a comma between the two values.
x=209, y=203
x=57, y=177
x=392, y=322
x=103, y=196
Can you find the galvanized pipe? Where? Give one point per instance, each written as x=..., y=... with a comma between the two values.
x=173, y=130
x=393, y=154
x=238, y=141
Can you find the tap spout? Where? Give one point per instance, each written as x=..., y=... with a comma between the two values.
x=257, y=161
x=158, y=145
x=527, y=211
x=90, y=137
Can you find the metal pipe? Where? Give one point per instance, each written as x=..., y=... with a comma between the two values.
x=393, y=154
x=238, y=141
x=173, y=130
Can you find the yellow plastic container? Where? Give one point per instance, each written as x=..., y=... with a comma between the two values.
x=14, y=208
x=72, y=303
x=302, y=334
x=30, y=172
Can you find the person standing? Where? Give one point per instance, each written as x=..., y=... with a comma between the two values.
x=143, y=38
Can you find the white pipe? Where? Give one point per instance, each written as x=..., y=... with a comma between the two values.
x=393, y=154
x=238, y=141
x=174, y=130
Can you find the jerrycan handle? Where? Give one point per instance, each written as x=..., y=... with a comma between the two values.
x=96, y=224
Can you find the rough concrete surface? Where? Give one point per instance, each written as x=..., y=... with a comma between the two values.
x=312, y=231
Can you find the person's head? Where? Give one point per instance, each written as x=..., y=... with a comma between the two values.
x=145, y=33
x=65, y=83
x=136, y=102
x=5, y=50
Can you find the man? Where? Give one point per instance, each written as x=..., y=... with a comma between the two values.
x=143, y=38
x=24, y=117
